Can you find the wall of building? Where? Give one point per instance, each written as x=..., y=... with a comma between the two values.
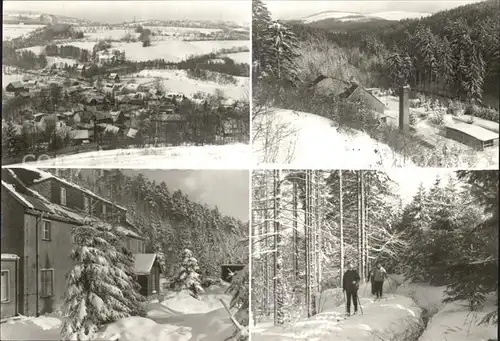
x=12, y=232
x=52, y=254
x=8, y=309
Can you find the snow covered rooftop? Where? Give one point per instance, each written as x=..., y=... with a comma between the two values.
x=8, y=256
x=144, y=263
x=473, y=130
x=43, y=175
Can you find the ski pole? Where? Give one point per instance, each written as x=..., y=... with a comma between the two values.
x=360, y=307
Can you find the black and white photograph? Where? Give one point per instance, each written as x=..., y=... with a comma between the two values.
x=87, y=83
x=370, y=84
x=124, y=254
x=374, y=255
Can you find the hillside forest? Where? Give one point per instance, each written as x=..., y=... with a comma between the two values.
x=308, y=225
x=169, y=220
x=453, y=53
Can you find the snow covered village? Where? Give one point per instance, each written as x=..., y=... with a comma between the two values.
x=124, y=254
x=168, y=80
x=357, y=255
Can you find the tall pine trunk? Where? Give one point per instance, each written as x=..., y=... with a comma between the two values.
x=295, y=234
x=279, y=317
x=341, y=225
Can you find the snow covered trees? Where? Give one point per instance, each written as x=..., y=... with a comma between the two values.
x=101, y=288
x=188, y=277
x=274, y=48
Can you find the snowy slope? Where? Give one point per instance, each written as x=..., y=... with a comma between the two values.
x=329, y=15
x=306, y=140
x=353, y=16
x=207, y=157
x=398, y=15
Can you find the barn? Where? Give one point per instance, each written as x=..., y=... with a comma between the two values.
x=472, y=135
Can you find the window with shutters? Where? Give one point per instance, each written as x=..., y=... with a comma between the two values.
x=47, y=281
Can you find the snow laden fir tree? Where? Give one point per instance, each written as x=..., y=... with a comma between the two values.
x=189, y=277
x=101, y=287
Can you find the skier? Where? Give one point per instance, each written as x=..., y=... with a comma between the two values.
x=371, y=279
x=378, y=279
x=350, y=286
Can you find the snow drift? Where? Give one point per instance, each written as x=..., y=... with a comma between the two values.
x=209, y=157
x=305, y=140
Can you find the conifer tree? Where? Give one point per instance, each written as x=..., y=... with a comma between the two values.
x=96, y=283
x=188, y=277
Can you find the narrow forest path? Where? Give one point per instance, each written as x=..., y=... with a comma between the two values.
x=391, y=318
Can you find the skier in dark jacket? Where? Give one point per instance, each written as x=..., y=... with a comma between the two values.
x=350, y=286
x=378, y=279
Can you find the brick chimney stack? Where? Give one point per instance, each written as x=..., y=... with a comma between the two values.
x=404, y=107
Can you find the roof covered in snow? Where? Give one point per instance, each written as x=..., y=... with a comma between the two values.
x=8, y=256
x=473, y=130
x=34, y=175
x=144, y=263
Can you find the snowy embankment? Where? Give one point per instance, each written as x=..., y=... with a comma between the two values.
x=209, y=157
x=450, y=321
x=306, y=140
x=195, y=320
x=398, y=316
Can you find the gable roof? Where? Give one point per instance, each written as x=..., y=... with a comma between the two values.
x=36, y=204
x=33, y=175
x=143, y=263
x=349, y=92
x=15, y=85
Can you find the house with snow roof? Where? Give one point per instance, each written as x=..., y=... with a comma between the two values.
x=39, y=211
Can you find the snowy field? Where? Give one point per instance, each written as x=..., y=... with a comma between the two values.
x=52, y=60
x=170, y=30
x=307, y=140
x=178, y=81
x=10, y=31
x=9, y=78
x=233, y=156
x=194, y=320
x=115, y=34
x=239, y=57
x=175, y=50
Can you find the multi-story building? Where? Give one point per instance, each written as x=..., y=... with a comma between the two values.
x=39, y=211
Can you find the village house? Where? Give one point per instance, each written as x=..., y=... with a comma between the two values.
x=350, y=91
x=471, y=135
x=39, y=212
x=114, y=77
x=15, y=87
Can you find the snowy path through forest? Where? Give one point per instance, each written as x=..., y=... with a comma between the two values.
x=381, y=320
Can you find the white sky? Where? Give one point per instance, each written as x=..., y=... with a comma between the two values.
x=118, y=11
x=226, y=189
x=409, y=179
x=286, y=9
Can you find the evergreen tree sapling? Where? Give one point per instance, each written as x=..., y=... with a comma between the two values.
x=189, y=277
